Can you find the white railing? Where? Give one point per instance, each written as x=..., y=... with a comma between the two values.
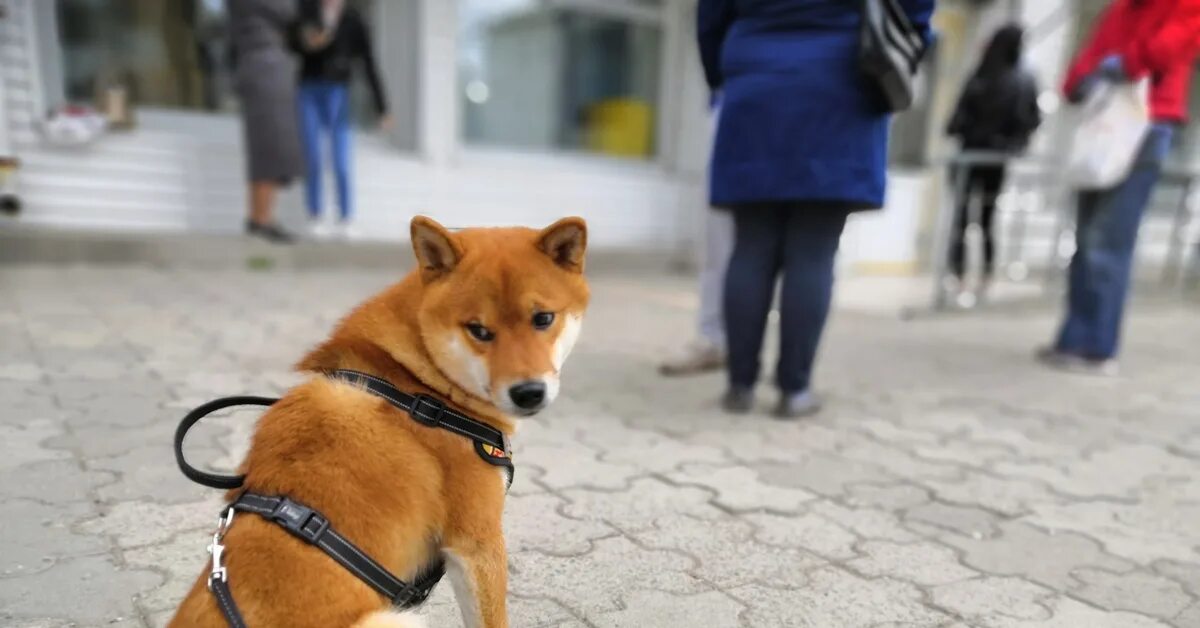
x=1039, y=178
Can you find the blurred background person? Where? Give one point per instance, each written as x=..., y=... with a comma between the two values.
x=707, y=352
x=333, y=38
x=996, y=113
x=801, y=143
x=265, y=81
x=1158, y=39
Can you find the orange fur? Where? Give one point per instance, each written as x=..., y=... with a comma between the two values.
x=402, y=492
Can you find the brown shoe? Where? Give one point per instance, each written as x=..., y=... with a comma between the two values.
x=698, y=357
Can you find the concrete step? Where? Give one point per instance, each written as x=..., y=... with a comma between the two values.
x=33, y=245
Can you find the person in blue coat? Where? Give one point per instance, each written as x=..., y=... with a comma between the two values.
x=801, y=143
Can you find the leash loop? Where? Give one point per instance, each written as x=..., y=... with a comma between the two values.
x=212, y=480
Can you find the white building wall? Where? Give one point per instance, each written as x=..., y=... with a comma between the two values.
x=183, y=171
x=180, y=171
x=18, y=57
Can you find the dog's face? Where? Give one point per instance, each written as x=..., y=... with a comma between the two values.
x=501, y=308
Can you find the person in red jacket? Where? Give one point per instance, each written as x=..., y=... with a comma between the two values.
x=1159, y=40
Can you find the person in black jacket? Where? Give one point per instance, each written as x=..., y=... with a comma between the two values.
x=333, y=37
x=997, y=112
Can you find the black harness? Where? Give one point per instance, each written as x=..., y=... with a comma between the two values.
x=310, y=525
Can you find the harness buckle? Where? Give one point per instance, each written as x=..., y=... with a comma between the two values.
x=300, y=520
x=427, y=410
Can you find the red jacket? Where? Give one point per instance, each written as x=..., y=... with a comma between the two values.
x=1155, y=38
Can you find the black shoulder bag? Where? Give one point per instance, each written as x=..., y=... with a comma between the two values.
x=890, y=48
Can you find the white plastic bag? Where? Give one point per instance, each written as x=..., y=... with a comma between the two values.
x=1112, y=125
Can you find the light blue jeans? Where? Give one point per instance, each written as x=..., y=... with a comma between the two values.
x=718, y=246
x=325, y=109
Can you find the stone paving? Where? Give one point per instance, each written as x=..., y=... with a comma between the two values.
x=949, y=483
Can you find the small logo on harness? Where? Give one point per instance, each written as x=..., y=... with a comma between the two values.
x=292, y=513
x=493, y=451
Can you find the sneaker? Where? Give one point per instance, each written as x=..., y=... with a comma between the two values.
x=797, y=405
x=271, y=232
x=738, y=400
x=697, y=357
x=983, y=291
x=952, y=284
x=1072, y=363
x=345, y=230
x=319, y=229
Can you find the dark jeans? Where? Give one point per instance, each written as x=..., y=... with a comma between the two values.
x=1105, y=234
x=984, y=181
x=799, y=241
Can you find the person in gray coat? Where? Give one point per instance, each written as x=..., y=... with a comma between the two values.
x=260, y=35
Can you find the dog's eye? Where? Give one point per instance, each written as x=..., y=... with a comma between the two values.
x=480, y=333
x=543, y=320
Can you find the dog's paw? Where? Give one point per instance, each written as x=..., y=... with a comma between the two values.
x=391, y=619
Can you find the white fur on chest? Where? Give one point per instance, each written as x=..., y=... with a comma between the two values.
x=463, y=583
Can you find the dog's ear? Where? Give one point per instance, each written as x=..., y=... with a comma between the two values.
x=436, y=252
x=565, y=242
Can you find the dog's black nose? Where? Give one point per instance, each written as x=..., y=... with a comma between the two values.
x=528, y=395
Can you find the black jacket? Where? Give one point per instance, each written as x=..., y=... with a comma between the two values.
x=998, y=107
x=335, y=62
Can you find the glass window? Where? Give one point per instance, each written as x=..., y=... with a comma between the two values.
x=578, y=75
x=169, y=53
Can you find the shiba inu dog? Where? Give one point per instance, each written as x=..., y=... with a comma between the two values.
x=484, y=325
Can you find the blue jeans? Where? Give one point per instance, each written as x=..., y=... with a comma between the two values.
x=1105, y=236
x=800, y=241
x=325, y=108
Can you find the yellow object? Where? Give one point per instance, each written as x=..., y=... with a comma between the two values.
x=620, y=126
x=886, y=269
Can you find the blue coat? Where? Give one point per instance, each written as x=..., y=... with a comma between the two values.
x=798, y=121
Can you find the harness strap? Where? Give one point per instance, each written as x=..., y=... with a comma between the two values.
x=490, y=443
x=310, y=525
x=313, y=528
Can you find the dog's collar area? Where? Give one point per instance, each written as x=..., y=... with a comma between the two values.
x=490, y=443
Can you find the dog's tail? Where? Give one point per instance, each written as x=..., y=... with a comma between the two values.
x=391, y=619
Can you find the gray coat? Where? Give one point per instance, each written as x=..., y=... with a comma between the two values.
x=265, y=80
